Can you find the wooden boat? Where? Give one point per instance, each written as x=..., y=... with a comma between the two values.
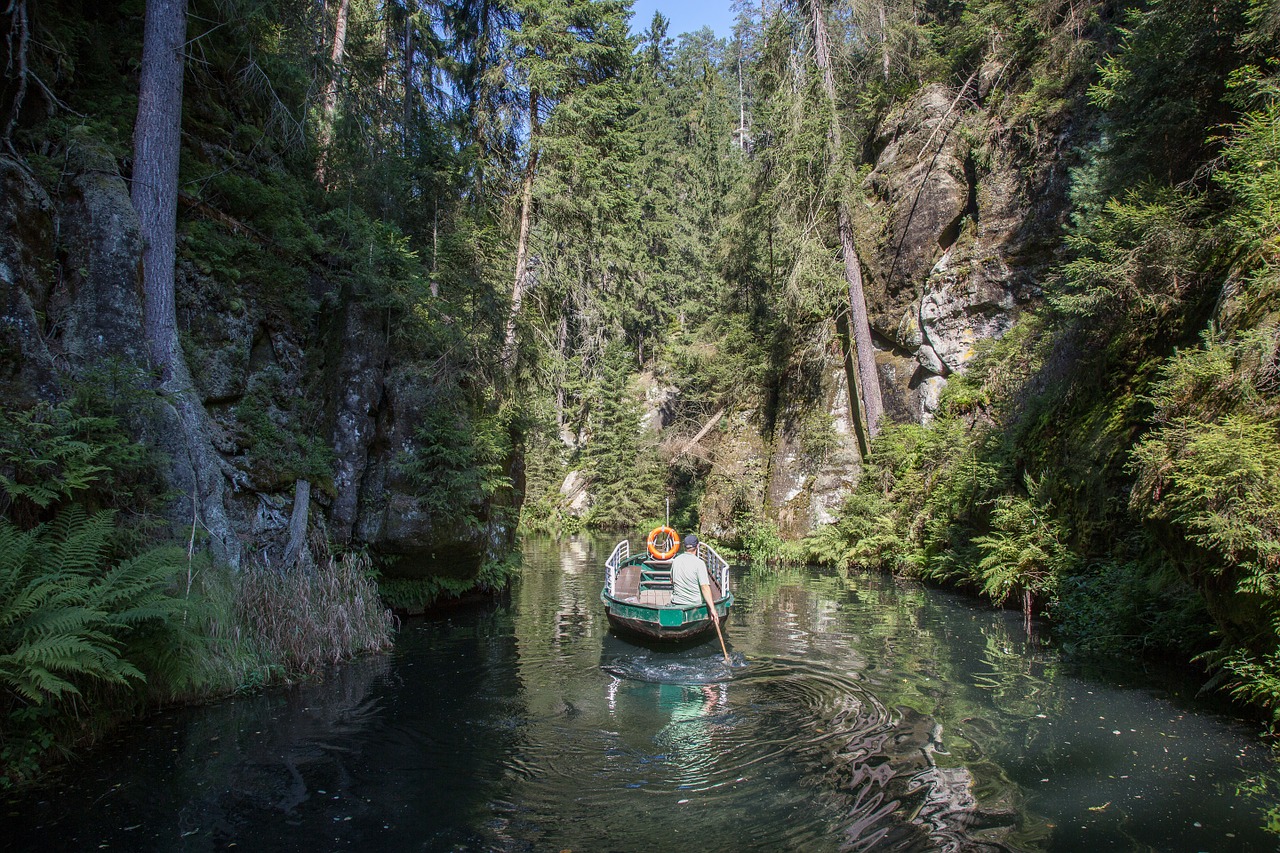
x=637, y=593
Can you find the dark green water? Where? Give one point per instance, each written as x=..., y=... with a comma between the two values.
x=859, y=714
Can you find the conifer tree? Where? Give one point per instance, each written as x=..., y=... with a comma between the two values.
x=558, y=48
x=157, y=140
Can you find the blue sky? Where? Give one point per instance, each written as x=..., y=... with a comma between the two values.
x=686, y=16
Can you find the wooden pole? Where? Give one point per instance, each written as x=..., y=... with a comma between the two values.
x=715, y=620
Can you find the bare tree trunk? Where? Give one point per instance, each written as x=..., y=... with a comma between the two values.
x=860, y=326
x=562, y=346
x=435, y=248
x=884, y=39
x=298, y=523
x=324, y=135
x=19, y=41
x=742, y=106
x=522, y=242
x=194, y=466
x=407, y=79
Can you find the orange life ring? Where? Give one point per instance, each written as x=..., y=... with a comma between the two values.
x=651, y=543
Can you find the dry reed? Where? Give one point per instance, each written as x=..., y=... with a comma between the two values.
x=305, y=618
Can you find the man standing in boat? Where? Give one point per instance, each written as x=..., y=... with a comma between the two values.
x=690, y=582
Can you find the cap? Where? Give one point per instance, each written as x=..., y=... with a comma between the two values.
x=691, y=541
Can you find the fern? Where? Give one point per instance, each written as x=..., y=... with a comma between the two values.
x=1026, y=550
x=68, y=619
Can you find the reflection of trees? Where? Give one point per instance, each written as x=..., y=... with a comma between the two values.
x=266, y=753
x=915, y=652
x=558, y=613
x=875, y=773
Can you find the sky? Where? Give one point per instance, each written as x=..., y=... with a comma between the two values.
x=686, y=16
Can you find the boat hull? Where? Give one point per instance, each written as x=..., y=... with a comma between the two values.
x=665, y=624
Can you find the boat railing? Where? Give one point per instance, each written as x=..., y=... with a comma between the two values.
x=621, y=552
x=717, y=567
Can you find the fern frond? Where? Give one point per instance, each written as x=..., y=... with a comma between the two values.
x=81, y=539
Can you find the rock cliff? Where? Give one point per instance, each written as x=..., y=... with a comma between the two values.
x=960, y=218
x=269, y=379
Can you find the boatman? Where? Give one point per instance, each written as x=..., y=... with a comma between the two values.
x=690, y=582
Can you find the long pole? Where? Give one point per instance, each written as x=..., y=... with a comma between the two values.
x=715, y=620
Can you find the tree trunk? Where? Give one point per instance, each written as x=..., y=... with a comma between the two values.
x=860, y=327
x=742, y=106
x=156, y=143
x=194, y=466
x=296, y=548
x=562, y=348
x=324, y=135
x=884, y=39
x=435, y=248
x=522, y=242
x=19, y=33
x=406, y=72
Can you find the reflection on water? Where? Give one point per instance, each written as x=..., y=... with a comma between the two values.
x=856, y=714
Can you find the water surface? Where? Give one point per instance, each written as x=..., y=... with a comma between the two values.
x=859, y=713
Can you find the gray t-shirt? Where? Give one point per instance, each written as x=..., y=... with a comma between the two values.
x=688, y=573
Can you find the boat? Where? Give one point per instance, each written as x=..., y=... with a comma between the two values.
x=637, y=590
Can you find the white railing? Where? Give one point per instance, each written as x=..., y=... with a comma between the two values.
x=716, y=566
x=621, y=552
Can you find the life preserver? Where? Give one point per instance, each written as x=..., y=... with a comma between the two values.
x=651, y=543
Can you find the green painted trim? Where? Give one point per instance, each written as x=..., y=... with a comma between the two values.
x=666, y=617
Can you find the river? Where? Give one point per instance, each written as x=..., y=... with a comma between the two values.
x=858, y=713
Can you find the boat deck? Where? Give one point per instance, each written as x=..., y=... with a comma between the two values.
x=649, y=583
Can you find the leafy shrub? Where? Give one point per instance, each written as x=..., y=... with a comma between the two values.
x=1128, y=607
x=760, y=538
x=78, y=449
x=458, y=464
x=417, y=594
x=278, y=450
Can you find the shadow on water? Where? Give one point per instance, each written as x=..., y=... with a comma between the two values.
x=858, y=713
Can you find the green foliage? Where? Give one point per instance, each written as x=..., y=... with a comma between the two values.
x=1254, y=680
x=760, y=539
x=1162, y=90
x=1209, y=469
x=1137, y=261
x=1026, y=550
x=43, y=459
x=75, y=624
x=76, y=449
x=866, y=534
x=414, y=595
x=1126, y=608
x=1252, y=178
x=621, y=459
x=278, y=447
x=459, y=464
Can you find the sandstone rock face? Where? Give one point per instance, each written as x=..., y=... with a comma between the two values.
x=70, y=302
x=27, y=226
x=103, y=316
x=957, y=232
x=738, y=479
x=814, y=461
x=958, y=226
